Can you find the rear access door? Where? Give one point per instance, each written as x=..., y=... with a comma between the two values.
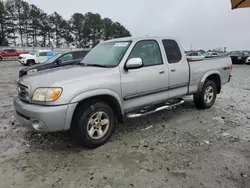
x=178, y=69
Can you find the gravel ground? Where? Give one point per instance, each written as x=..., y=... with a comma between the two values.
x=183, y=147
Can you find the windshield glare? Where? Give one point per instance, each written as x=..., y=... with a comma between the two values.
x=52, y=59
x=107, y=54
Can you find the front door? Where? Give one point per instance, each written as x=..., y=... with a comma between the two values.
x=146, y=85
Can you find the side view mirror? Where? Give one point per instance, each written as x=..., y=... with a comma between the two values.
x=133, y=63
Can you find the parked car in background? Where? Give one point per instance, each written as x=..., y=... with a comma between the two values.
x=10, y=54
x=59, y=59
x=239, y=57
x=39, y=56
x=194, y=56
x=126, y=77
x=248, y=61
x=210, y=54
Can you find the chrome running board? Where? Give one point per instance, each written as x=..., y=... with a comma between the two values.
x=145, y=112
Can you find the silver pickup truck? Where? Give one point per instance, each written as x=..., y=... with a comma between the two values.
x=126, y=77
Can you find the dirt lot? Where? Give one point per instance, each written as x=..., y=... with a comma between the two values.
x=183, y=147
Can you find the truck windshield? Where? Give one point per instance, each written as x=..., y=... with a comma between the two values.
x=53, y=58
x=108, y=54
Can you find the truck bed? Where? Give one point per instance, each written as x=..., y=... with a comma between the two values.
x=199, y=70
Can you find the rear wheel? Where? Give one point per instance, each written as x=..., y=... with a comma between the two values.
x=93, y=124
x=206, y=98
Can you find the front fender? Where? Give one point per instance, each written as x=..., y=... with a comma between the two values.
x=97, y=92
x=205, y=76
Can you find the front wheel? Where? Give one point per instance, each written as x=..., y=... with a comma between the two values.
x=30, y=62
x=93, y=124
x=206, y=98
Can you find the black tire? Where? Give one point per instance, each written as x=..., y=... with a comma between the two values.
x=79, y=126
x=199, y=99
x=30, y=62
x=1, y=58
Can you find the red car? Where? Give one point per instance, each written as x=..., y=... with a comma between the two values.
x=10, y=54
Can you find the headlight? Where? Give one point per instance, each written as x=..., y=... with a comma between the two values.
x=47, y=94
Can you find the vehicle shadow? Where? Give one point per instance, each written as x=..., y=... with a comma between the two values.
x=159, y=118
x=61, y=141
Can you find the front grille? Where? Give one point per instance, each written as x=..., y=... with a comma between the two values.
x=23, y=92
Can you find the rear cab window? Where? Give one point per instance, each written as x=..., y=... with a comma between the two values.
x=172, y=50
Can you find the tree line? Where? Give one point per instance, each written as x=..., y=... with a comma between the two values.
x=25, y=24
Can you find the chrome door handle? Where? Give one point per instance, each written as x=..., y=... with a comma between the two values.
x=162, y=72
x=173, y=70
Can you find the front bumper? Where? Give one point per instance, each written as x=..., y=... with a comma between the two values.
x=22, y=61
x=43, y=118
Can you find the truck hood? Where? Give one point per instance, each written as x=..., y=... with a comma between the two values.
x=63, y=75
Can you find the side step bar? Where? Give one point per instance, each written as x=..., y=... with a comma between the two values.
x=145, y=112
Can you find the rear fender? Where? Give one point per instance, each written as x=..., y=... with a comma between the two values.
x=204, y=78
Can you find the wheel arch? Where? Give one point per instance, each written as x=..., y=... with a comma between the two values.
x=33, y=60
x=108, y=96
x=211, y=75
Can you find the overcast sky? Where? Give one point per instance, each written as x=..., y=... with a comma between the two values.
x=202, y=23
